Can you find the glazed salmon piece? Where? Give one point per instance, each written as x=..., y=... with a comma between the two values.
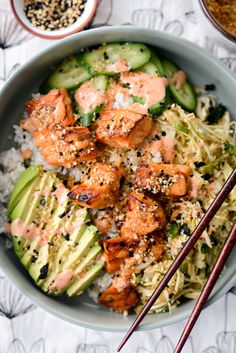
x=122, y=128
x=116, y=251
x=168, y=179
x=100, y=188
x=143, y=216
x=65, y=147
x=52, y=109
x=120, y=299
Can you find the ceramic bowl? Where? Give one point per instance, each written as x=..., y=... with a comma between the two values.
x=83, y=21
x=201, y=67
x=218, y=26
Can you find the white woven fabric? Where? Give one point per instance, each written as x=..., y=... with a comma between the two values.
x=27, y=329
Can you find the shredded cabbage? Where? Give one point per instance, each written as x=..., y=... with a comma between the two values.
x=210, y=151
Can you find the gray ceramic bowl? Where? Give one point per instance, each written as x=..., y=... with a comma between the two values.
x=201, y=67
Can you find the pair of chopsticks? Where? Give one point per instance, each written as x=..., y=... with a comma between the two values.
x=220, y=262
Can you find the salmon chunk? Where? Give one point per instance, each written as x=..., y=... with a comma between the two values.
x=100, y=188
x=122, y=128
x=168, y=179
x=143, y=216
x=65, y=147
x=116, y=251
x=51, y=109
x=120, y=299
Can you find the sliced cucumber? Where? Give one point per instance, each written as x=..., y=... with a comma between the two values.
x=87, y=119
x=69, y=74
x=184, y=96
x=150, y=68
x=157, y=61
x=101, y=83
x=159, y=107
x=99, y=60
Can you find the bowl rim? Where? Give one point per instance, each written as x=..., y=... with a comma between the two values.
x=59, y=36
x=215, y=22
x=11, y=274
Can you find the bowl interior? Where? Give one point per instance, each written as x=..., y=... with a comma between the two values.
x=201, y=68
x=80, y=22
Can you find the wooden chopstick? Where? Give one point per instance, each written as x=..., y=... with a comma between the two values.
x=218, y=267
x=214, y=207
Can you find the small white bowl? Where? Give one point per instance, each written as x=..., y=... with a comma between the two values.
x=86, y=17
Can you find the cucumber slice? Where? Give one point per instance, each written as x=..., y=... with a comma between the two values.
x=87, y=119
x=100, y=82
x=157, y=61
x=69, y=74
x=184, y=96
x=150, y=68
x=98, y=60
x=159, y=107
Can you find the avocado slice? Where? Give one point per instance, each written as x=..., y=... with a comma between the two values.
x=25, y=178
x=92, y=254
x=90, y=236
x=39, y=260
x=17, y=213
x=85, y=281
x=70, y=240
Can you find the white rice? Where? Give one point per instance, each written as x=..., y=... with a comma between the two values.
x=122, y=101
x=99, y=286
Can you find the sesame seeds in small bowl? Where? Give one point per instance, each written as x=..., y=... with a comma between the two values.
x=54, y=19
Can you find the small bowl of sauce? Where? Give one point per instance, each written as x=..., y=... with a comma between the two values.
x=222, y=14
x=54, y=19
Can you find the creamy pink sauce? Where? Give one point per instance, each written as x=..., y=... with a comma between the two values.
x=168, y=143
x=178, y=79
x=18, y=228
x=60, y=110
x=194, y=187
x=119, y=66
x=61, y=193
x=165, y=146
x=145, y=85
x=69, y=228
x=88, y=97
x=61, y=280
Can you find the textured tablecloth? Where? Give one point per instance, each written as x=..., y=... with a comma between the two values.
x=24, y=328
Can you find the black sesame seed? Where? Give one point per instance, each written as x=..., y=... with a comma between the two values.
x=42, y=202
x=163, y=133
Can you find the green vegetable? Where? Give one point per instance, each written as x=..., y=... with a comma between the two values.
x=159, y=107
x=184, y=96
x=45, y=261
x=149, y=68
x=174, y=230
x=140, y=100
x=70, y=74
x=182, y=128
x=99, y=60
x=230, y=149
x=157, y=61
x=87, y=119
